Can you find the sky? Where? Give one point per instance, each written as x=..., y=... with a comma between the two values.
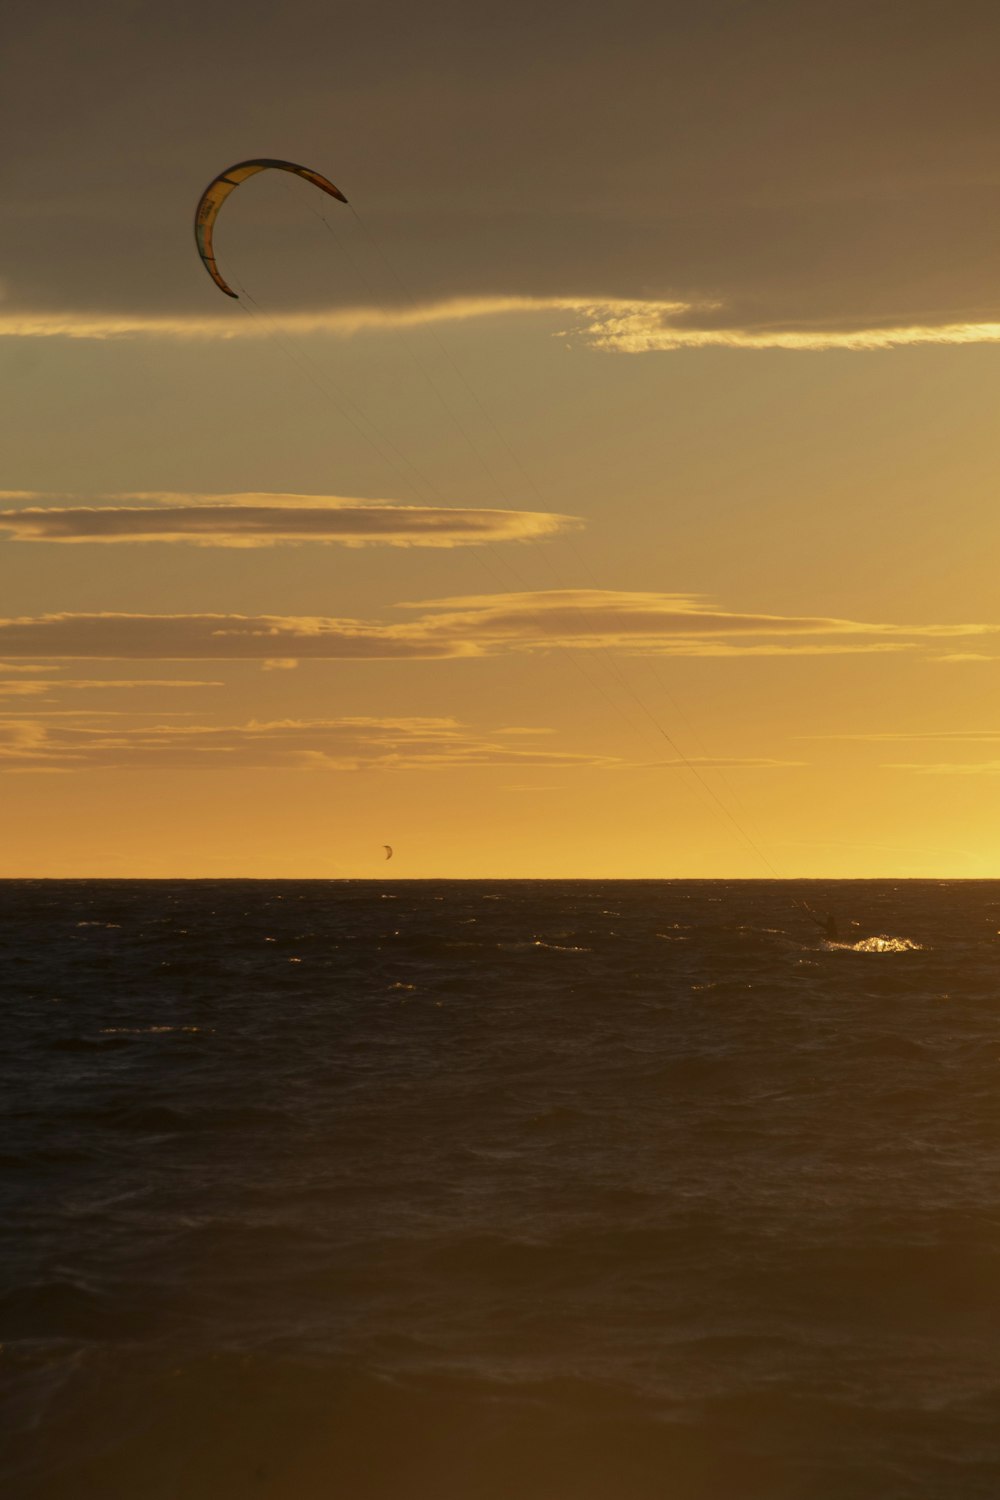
x=606, y=490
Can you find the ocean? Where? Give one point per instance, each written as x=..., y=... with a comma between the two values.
x=514, y=1190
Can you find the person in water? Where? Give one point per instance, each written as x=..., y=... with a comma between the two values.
x=827, y=925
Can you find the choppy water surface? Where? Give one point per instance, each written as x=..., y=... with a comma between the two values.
x=507, y=1191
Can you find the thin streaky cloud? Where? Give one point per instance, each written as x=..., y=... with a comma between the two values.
x=956, y=736
x=468, y=626
x=725, y=763
x=861, y=844
x=266, y=520
x=342, y=322
x=607, y=616
x=647, y=328
x=614, y=325
x=963, y=656
x=90, y=684
x=129, y=637
x=709, y=650
x=345, y=744
x=94, y=715
x=947, y=768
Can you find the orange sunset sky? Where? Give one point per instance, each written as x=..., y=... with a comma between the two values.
x=610, y=490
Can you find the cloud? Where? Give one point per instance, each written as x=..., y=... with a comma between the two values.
x=956, y=736
x=26, y=688
x=94, y=715
x=633, y=326
x=719, y=649
x=340, y=322
x=649, y=327
x=949, y=768
x=351, y=744
x=264, y=520
x=954, y=656
x=122, y=637
x=656, y=623
x=798, y=163
x=472, y=625
x=726, y=763
x=924, y=848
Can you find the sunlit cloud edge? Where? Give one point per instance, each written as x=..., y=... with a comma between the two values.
x=616, y=325
x=471, y=626
x=350, y=743
x=257, y=519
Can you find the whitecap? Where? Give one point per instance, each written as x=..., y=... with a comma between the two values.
x=880, y=944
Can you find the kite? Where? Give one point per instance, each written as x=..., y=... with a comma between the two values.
x=218, y=191
x=388, y=850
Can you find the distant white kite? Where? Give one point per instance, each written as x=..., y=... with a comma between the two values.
x=388, y=850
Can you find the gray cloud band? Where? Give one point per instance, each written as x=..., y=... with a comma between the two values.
x=792, y=163
x=264, y=521
x=644, y=623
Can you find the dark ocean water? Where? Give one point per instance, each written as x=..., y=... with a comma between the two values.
x=499, y=1191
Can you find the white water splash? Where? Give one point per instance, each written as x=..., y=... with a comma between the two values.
x=880, y=944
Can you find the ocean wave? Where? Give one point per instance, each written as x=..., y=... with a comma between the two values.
x=880, y=944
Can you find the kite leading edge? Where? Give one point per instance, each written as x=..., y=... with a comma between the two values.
x=218, y=191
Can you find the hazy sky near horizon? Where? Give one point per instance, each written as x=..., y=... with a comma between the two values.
x=609, y=490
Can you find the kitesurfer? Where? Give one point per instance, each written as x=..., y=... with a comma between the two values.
x=827, y=925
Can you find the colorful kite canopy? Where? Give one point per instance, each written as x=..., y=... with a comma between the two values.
x=218, y=191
